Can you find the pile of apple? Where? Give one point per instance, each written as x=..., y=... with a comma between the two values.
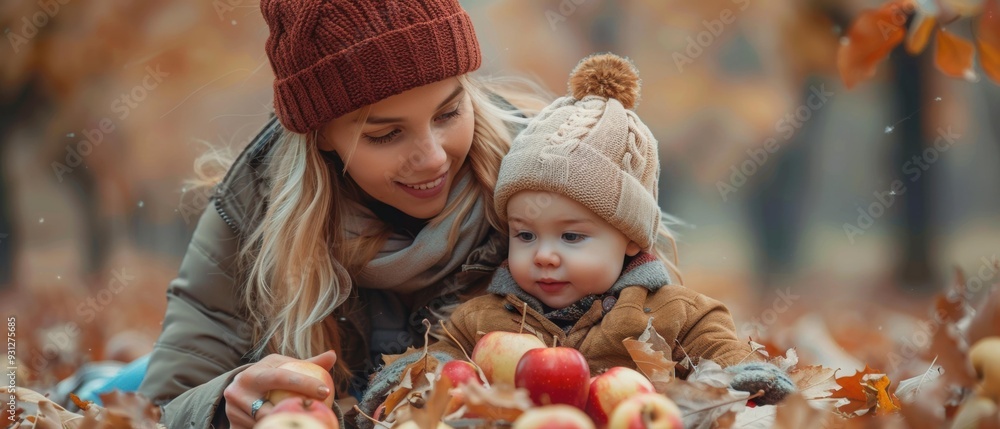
x=293, y=411
x=559, y=383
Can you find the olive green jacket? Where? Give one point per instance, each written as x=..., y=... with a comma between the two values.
x=206, y=339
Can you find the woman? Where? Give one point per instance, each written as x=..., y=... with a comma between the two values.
x=365, y=210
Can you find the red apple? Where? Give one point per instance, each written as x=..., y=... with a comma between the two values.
x=611, y=388
x=305, y=368
x=553, y=417
x=646, y=411
x=297, y=405
x=497, y=354
x=459, y=372
x=554, y=375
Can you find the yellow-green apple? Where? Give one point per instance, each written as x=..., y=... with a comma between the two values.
x=308, y=369
x=611, y=388
x=497, y=354
x=296, y=405
x=553, y=417
x=985, y=358
x=646, y=411
x=554, y=375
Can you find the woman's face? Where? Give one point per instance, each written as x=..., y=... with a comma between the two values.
x=410, y=146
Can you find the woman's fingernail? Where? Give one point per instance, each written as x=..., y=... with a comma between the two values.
x=325, y=391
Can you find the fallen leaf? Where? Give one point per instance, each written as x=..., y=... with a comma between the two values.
x=48, y=416
x=884, y=401
x=814, y=381
x=852, y=388
x=651, y=354
x=786, y=362
x=710, y=373
x=759, y=417
x=954, y=55
x=908, y=389
x=701, y=404
x=795, y=412
x=870, y=39
x=499, y=402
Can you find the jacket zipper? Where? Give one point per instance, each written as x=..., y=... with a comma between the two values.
x=225, y=216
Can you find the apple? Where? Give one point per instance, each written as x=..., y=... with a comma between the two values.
x=646, y=411
x=458, y=372
x=554, y=375
x=305, y=368
x=553, y=417
x=296, y=405
x=611, y=388
x=290, y=421
x=453, y=374
x=985, y=358
x=497, y=354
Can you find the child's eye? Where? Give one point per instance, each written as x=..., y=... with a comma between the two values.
x=525, y=236
x=385, y=138
x=572, y=237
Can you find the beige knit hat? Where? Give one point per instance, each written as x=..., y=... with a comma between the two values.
x=592, y=148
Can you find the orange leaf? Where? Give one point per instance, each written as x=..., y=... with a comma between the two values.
x=853, y=389
x=885, y=404
x=954, y=55
x=988, y=40
x=870, y=39
x=920, y=33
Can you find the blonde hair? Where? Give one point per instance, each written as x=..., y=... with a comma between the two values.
x=299, y=262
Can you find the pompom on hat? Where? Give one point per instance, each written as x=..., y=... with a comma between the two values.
x=331, y=57
x=591, y=147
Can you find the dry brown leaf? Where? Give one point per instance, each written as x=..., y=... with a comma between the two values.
x=954, y=55
x=501, y=402
x=815, y=381
x=702, y=404
x=32, y=397
x=49, y=415
x=389, y=359
x=433, y=411
x=870, y=39
x=786, y=362
x=908, y=390
x=651, y=354
x=795, y=412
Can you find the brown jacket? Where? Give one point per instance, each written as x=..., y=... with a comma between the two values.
x=206, y=339
x=697, y=325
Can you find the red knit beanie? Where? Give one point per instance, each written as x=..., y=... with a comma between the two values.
x=335, y=56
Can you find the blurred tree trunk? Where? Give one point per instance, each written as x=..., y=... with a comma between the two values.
x=914, y=271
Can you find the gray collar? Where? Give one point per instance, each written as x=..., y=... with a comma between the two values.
x=641, y=270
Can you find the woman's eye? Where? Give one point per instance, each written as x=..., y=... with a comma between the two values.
x=526, y=236
x=449, y=115
x=385, y=138
x=572, y=237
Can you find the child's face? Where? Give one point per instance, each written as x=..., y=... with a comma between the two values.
x=560, y=251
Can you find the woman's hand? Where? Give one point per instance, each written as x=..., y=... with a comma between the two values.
x=258, y=379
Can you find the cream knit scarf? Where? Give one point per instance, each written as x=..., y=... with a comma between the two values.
x=406, y=264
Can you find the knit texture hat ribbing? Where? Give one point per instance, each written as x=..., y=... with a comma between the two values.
x=592, y=148
x=333, y=57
